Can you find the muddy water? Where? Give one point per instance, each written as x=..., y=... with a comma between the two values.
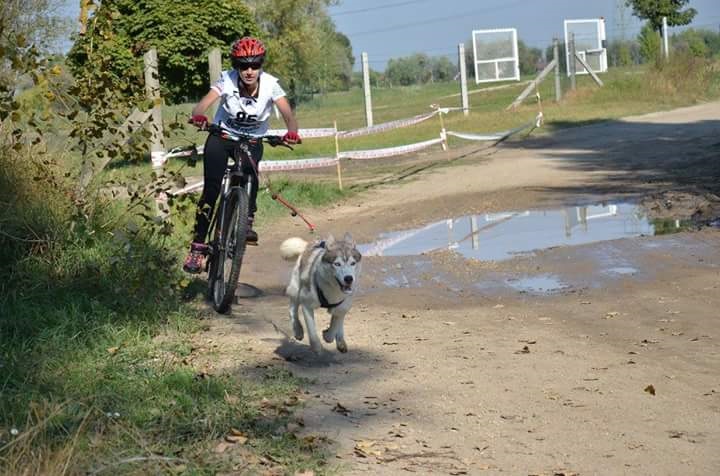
x=501, y=236
x=569, y=248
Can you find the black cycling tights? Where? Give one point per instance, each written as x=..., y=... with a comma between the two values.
x=215, y=159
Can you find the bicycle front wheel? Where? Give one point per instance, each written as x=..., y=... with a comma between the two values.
x=231, y=250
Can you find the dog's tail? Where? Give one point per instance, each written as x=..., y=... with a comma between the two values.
x=292, y=248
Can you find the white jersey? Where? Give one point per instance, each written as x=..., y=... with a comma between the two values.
x=245, y=115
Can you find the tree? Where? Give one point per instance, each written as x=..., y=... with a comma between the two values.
x=649, y=43
x=654, y=10
x=304, y=49
x=701, y=43
x=182, y=32
x=529, y=58
x=28, y=24
x=38, y=21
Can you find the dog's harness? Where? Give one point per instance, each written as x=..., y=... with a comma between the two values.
x=324, y=303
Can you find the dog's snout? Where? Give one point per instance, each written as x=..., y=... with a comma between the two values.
x=348, y=279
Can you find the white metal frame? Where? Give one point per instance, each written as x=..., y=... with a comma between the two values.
x=515, y=58
x=601, y=37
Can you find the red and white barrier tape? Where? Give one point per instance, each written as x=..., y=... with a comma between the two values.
x=388, y=151
x=297, y=164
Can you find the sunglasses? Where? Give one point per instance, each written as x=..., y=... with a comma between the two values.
x=244, y=66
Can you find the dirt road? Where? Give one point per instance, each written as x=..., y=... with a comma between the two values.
x=596, y=358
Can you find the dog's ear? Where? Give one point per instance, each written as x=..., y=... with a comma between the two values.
x=330, y=240
x=349, y=239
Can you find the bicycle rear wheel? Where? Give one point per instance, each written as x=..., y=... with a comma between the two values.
x=231, y=249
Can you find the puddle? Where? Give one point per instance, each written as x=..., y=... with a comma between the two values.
x=501, y=236
x=542, y=284
x=622, y=270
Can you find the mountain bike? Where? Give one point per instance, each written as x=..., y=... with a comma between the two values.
x=229, y=225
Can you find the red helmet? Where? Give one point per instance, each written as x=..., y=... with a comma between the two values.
x=247, y=50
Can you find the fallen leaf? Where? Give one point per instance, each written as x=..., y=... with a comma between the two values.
x=612, y=314
x=365, y=449
x=338, y=408
x=650, y=389
x=113, y=350
x=236, y=439
x=222, y=446
x=525, y=350
x=305, y=473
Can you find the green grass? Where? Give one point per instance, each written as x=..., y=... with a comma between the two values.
x=96, y=349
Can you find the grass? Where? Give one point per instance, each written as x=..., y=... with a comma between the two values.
x=97, y=350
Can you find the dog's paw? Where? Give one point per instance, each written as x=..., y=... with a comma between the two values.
x=298, y=330
x=341, y=345
x=327, y=336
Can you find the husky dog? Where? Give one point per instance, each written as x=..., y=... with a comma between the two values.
x=325, y=275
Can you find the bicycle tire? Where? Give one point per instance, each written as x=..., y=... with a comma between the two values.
x=231, y=250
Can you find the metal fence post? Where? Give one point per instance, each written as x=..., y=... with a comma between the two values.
x=366, y=85
x=556, y=57
x=463, y=80
x=155, y=125
x=571, y=61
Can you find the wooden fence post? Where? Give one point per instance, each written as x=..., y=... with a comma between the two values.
x=556, y=58
x=571, y=61
x=337, y=157
x=155, y=124
x=215, y=70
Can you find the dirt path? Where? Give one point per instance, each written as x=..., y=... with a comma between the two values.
x=453, y=369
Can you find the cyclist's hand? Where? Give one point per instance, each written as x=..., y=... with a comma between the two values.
x=292, y=137
x=199, y=120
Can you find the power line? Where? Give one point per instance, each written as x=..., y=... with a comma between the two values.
x=435, y=20
x=382, y=7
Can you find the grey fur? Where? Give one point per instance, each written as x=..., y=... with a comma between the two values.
x=332, y=267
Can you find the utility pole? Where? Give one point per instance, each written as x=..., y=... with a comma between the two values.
x=366, y=85
x=463, y=80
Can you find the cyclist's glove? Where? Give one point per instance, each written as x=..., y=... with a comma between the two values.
x=291, y=137
x=199, y=120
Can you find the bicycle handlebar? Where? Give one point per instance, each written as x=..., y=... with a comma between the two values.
x=271, y=140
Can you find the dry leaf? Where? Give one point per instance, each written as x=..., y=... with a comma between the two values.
x=525, y=350
x=338, y=408
x=650, y=389
x=113, y=350
x=236, y=439
x=305, y=473
x=367, y=448
x=222, y=446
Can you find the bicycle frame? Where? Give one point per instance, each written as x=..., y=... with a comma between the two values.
x=234, y=178
x=229, y=224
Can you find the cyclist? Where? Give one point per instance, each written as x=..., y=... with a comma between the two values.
x=247, y=95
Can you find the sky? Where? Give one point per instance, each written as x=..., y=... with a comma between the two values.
x=387, y=29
